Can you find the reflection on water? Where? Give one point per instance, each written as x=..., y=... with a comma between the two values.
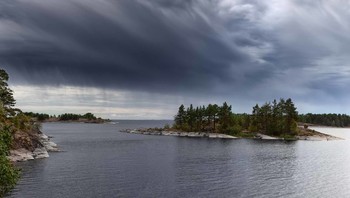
x=101, y=162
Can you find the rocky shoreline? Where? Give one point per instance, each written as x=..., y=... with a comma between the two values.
x=41, y=151
x=315, y=136
x=319, y=137
x=178, y=133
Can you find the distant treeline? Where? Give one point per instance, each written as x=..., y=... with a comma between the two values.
x=62, y=117
x=39, y=116
x=274, y=118
x=71, y=116
x=335, y=120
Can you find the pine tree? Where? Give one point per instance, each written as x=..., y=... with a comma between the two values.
x=225, y=118
x=291, y=116
x=180, y=118
x=6, y=94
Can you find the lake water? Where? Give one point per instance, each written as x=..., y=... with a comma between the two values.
x=99, y=161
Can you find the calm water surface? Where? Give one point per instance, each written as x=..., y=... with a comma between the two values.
x=99, y=161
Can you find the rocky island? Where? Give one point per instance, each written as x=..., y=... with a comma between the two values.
x=272, y=121
x=308, y=135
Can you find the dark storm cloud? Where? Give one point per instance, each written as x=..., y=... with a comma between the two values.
x=159, y=46
x=285, y=48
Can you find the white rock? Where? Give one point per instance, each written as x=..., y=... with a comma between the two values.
x=50, y=146
x=20, y=155
x=194, y=134
x=43, y=136
x=266, y=137
x=221, y=136
x=39, y=153
x=183, y=134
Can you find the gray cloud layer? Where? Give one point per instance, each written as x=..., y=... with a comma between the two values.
x=255, y=49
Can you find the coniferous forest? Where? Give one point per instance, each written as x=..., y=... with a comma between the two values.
x=273, y=118
x=331, y=119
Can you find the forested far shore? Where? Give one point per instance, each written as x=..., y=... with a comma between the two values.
x=330, y=119
x=87, y=117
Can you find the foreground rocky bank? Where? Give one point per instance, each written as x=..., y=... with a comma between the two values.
x=30, y=146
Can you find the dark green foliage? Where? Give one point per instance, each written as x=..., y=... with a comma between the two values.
x=8, y=174
x=74, y=117
x=69, y=116
x=64, y=117
x=6, y=94
x=335, y=120
x=180, y=118
x=40, y=116
x=271, y=118
x=212, y=118
x=5, y=140
x=226, y=119
x=276, y=118
x=89, y=116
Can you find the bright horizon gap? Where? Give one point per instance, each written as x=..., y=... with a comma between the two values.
x=114, y=104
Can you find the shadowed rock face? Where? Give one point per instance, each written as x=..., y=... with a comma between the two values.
x=31, y=145
x=26, y=140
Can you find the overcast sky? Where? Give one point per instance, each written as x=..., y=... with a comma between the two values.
x=139, y=59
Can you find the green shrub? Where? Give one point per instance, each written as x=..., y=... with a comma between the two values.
x=8, y=174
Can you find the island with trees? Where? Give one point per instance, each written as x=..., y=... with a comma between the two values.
x=271, y=120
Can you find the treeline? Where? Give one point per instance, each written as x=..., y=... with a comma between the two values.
x=275, y=118
x=62, y=117
x=205, y=118
x=72, y=116
x=39, y=116
x=271, y=118
x=335, y=120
